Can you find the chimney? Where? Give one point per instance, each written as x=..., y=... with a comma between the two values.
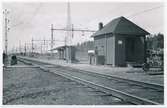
x=100, y=25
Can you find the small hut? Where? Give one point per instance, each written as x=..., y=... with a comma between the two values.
x=66, y=53
x=119, y=43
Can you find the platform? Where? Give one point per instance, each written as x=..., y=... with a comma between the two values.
x=136, y=74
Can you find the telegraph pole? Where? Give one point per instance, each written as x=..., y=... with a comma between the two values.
x=32, y=46
x=41, y=48
x=44, y=45
x=25, y=49
x=20, y=46
x=51, y=40
x=6, y=12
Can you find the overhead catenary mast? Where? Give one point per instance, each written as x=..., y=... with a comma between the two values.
x=6, y=12
x=52, y=41
x=68, y=38
x=69, y=29
x=19, y=46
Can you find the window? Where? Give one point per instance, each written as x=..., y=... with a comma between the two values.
x=120, y=42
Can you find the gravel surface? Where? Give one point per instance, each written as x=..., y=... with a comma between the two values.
x=136, y=74
x=144, y=92
x=32, y=86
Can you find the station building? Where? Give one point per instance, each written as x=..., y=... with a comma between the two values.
x=119, y=43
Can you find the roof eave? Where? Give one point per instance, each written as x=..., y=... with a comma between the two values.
x=102, y=34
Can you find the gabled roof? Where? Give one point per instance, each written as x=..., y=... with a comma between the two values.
x=121, y=25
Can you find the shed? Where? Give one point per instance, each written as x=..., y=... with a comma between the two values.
x=66, y=53
x=61, y=52
x=120, y=42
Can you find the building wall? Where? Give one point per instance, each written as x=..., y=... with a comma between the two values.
x=120, y=50
x=73, y=50
x=70, y=53
x=99, y=44
x=105, y=46
x=61, y=54
x=110, y=50
x=64, y=54
x=136, y=55
x=131, y=50
x=117, y=49
x=82, y=56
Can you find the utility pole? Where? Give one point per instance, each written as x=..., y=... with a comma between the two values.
x=25, y=49
x=45, y=42
x=44, y=45
x=6, y=12
x=32, y=46
x=20, y=46
x=47, y=48
x=51, y=40
x=72, y=30
x=13, y=49
x=16, y=51
x=41, y=48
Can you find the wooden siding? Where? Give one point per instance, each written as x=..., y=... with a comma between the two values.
x=106, y=47
x=131, y=49
x=120, y=51
x=110, y=50
x=100, y=46
x=135, y=49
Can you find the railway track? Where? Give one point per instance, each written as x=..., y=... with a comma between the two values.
x=135, y=92
x=36, y=87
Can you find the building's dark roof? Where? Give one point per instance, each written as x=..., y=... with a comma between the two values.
x=58, y=48
x=121, y=25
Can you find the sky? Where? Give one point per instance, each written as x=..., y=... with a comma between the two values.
x=33, y=20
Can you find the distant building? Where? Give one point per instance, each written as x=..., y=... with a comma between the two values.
x=61, y=52
x=119, y=42
x=66, y=53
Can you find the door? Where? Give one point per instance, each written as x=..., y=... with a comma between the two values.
x=110, y=50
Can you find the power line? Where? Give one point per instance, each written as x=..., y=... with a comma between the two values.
x=34, y=14
x=144, y=11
